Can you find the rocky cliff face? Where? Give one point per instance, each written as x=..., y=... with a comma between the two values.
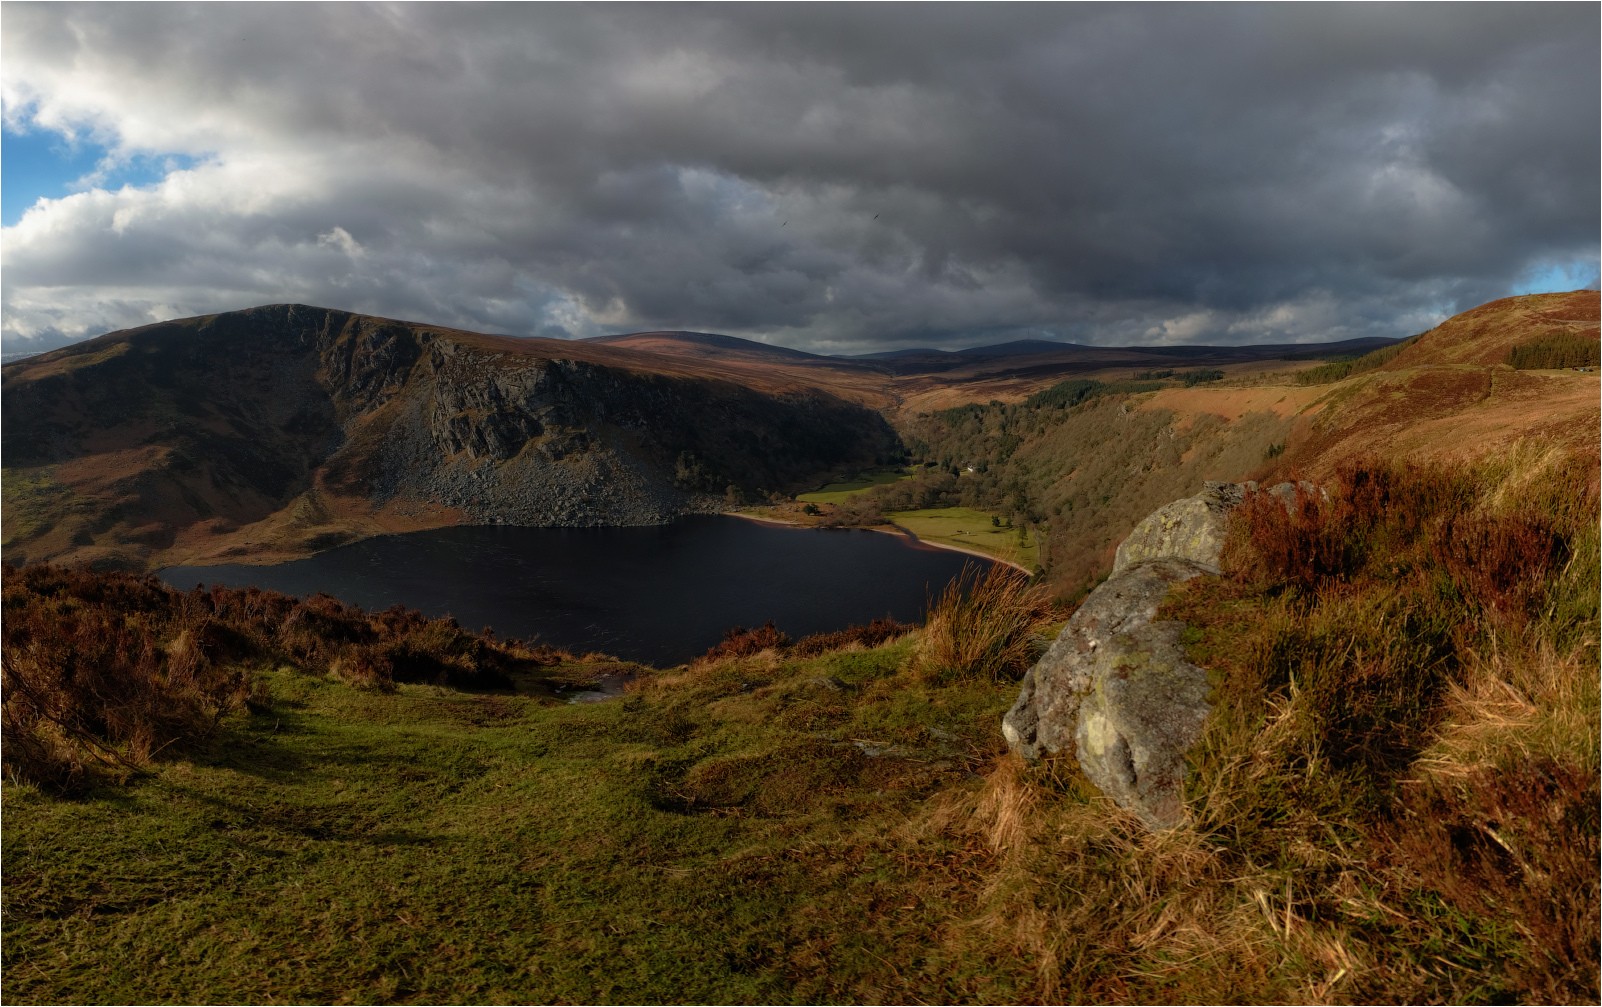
x=117, y=448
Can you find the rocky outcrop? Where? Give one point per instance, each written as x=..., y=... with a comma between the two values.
x=539, y=441
x=1115, y=689
x=1191, y=529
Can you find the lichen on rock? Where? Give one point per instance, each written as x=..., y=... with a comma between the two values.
x=1115, y=689
x=1190, y=529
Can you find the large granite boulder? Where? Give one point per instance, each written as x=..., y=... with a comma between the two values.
x=1115, y=688
x=1190, y=529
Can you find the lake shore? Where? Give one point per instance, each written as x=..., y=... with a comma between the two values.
x=891, y=529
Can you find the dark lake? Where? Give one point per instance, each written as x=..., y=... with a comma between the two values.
x=655, y=595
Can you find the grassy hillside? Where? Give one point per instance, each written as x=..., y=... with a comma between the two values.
x=1396, y=800
x=237, y=796
x=1075, y=473
x=1081, y=462
x=971, y=530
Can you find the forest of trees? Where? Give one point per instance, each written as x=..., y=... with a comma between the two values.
x=1557, y=349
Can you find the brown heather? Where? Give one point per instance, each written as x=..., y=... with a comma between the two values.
x=1395, y=799
x=742, y=642
x=106, y=672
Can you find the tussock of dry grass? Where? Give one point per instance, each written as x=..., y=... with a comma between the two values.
x=1395, y=799
x=984, y=626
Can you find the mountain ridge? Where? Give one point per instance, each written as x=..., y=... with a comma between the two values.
x=275, y=431
x=711, y=340
x=305, y=427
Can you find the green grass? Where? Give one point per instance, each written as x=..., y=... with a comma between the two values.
x=699, y=844
x=88, y=358
x=836, y=492
x=33, y=501
x=970, y=529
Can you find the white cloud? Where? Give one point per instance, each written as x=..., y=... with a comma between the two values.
x=838, y=178
x=340, y=238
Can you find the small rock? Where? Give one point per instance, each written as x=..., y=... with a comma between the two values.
x=826, y=682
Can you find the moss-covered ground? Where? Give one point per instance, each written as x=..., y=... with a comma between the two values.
x=34, y=501
x=739, y=833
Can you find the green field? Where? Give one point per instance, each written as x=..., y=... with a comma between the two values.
x=724, y=840
x=33, y=500
x=970, y=529
x=836, y=492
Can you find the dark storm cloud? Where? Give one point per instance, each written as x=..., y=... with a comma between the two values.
x=841, y=178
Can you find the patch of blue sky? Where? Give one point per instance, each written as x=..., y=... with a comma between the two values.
x=41, y=164
x=1556, y=277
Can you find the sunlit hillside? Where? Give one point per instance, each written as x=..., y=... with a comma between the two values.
x=234, y=795
x=1080, y=463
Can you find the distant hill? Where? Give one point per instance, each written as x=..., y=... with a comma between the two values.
x=901, y=354
x=1047, y=347
x=1084, y=461
x=669, y=340
x=271, y=432
x=284, y=429
x=1019, y=347
x=1487, y=334
x=1387, y=742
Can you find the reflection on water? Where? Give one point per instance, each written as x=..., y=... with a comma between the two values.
x=656, y=595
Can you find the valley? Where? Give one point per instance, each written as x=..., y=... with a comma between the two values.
x=800, y=504
x=273, y=433
x=232, y=793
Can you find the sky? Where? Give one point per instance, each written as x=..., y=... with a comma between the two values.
x=836, y=178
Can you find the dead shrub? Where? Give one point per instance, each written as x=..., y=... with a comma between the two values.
x=874, y=634
x=1501, y=562
x=104, y=672
x=319, y=628
x=365, y=666
x=742, y=642
x=1301, y=541
x=90, y=687
x=1381, y=521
